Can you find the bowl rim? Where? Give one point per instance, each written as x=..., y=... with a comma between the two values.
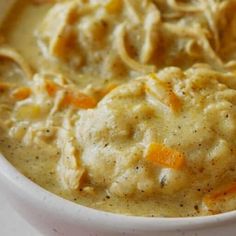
x=101, y=219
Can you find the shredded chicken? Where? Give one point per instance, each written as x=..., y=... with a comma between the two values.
x=143, y=39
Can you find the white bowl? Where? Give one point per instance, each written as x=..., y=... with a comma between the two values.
x=52, y=215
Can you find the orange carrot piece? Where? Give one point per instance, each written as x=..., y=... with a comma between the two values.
x=51, y=88
x=21, y=93
x=220, y=194
x=174, y=102
x=80, y=100
x=67, y=100
x=159, y=154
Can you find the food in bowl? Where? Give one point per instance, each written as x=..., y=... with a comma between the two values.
x=123, y=106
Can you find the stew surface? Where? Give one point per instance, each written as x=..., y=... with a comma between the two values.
x=127, y=106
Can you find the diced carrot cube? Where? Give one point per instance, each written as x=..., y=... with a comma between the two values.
x=159, y=154
x=80, y=100
x=174, y=102
x=21, y=93
x=51, y=88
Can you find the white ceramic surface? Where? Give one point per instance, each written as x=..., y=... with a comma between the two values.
x=54, y=216
x=12, y=224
